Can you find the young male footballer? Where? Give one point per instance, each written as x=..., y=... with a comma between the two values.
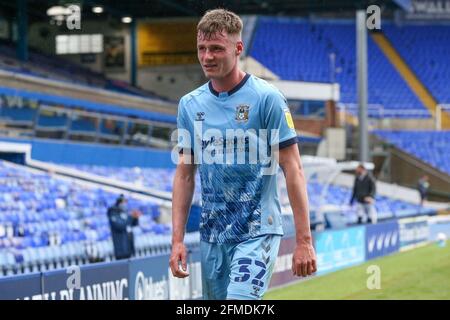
x=233, y=129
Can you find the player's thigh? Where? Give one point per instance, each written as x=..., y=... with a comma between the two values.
x=215, y=271
x=252, y=266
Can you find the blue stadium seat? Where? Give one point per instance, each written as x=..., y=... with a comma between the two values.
x=426, y=49
x=300, y=50
x=432, y=147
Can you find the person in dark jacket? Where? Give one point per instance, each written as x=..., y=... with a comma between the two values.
x=422, y=186
x=364, y=190
x=121, y=222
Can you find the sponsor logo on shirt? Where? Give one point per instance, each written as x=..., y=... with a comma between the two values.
x=289, y=120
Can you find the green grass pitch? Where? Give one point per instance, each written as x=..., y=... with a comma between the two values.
x=422, y=273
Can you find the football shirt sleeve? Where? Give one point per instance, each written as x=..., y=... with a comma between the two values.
x=278, y=120
x=184, y=133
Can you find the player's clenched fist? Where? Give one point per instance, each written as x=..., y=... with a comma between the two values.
x=304, y=260
x=177, y=261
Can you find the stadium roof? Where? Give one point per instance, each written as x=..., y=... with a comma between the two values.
x=183, y=8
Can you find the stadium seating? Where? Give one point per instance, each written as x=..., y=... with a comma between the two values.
x=426, y=49
x=333, y=209
x=387, y=208
x=337, y=197
x=300, y=50
x=82, y=125
x=154, y=178
x=52, y=120
x=13, y=110
x=15, y=114
x=432, y=147
x=57, y=68
x=47, y=222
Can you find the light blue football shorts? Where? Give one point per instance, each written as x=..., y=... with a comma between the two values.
x=238, y=271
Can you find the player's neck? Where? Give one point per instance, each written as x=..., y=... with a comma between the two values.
x=228, y=82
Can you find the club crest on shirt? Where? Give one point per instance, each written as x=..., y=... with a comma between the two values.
x=242, y=112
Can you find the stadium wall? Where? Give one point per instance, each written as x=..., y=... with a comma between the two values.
x=172, y=82
x=167, y=56
x=62, y=152
x=407, y=170
x=150, y=277
x=439, y=224
x=340, y=249
x=134, y=279
x=41, y=35
x=168, y=79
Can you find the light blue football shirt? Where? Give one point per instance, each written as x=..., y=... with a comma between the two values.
x=239, y=193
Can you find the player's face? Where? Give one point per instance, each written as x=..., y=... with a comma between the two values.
x=218, y=54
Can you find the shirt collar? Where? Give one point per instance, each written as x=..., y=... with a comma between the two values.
x=235, y=89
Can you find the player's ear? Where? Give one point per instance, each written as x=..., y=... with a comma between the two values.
x=239, y=47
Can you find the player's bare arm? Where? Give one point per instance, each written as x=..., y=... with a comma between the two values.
x=183, y=190
x=304, y=258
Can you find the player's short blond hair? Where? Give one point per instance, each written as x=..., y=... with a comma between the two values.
x=218, y=21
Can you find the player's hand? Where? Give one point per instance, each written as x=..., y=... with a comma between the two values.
x=368, y=199
x=178, y=255
x=304, y=262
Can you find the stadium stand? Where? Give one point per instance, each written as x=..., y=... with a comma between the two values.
x=343, y=215
x=29, y=113
x=47, y=222
x=72, y=103
x=300, y=50
x=426, y=50
x=54, y=67
x=336, y=197
x=79, y=139
x=432, y=147
x=160, y=179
